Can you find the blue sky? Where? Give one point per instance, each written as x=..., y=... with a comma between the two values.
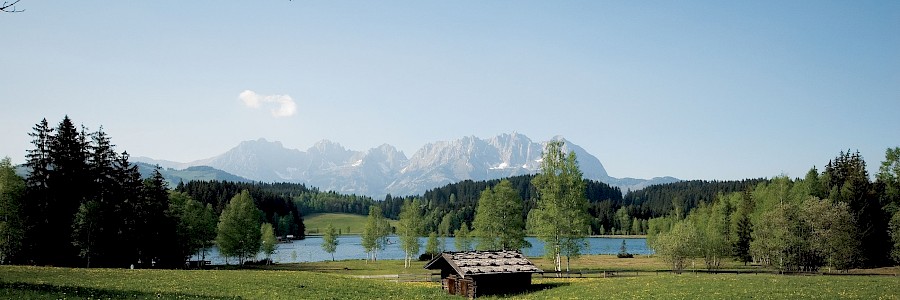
x=695, y=90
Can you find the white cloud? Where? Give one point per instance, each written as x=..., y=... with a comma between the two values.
x=283, y=105
x=250, y=98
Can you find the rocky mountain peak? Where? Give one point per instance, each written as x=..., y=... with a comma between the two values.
x=383, y=169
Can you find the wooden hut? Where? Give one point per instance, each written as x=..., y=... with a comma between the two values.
x=475, y=273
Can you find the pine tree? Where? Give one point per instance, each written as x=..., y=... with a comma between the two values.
x=157, y=228
x=741, y=227
x=127, y=227
x=848, y=182
x=58, y=190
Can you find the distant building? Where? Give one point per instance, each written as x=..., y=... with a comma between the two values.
x=476, y=273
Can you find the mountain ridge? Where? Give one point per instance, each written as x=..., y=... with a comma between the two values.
x=384, y=170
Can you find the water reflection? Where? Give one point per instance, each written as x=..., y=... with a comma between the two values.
x=350, y=247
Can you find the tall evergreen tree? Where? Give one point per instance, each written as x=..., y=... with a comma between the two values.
x=741, y=227
x=156, y=228
x=848, y=182
x=560, y=217
x=127, y=227
x=57, y=186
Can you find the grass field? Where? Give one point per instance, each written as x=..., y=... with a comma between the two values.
x=345, y=223
x=353, y=267
x=717, y=286
x=337, y=280
x=21, y=282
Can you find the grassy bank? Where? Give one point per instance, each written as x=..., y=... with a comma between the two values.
x=337, y=280
x=22, y=282
x=345, y=223
x=717, y=286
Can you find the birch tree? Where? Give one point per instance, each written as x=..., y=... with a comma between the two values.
x=560, y=218
x=409, y=229
x=329, y=241
x=498, y=223
x=375, y=233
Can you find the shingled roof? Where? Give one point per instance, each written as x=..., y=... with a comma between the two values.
x=484, y=262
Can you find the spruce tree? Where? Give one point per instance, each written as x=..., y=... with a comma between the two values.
x=848, y=182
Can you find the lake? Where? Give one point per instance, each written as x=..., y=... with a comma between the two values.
x=350, y=247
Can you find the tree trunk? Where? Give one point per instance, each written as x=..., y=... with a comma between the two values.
x=558, y=260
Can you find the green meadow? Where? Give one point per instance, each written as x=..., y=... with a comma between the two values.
x=345, y=223
x=342, y=280
x=22, y=282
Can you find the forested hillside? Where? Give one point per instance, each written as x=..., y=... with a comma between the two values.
x=273, y=199
x=82, y=203
x=837, y=218
x=455, y=203
x=659, y=200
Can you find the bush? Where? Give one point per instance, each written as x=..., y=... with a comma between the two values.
x=623, y=252
x=261, y=262
x=428, y=256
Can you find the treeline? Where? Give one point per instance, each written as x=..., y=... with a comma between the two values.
x=837, y=218
x=659, y=200
x=450, y=206
x=446, y=208
x=84, y=204
x=631, y=215
x=272, y=199
x=315, y=201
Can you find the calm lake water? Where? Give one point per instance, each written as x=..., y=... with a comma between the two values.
x=350, y=247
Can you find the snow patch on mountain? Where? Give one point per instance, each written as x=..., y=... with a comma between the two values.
x=385, y=170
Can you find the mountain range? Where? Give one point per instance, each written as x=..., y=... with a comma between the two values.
x=385, y=170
